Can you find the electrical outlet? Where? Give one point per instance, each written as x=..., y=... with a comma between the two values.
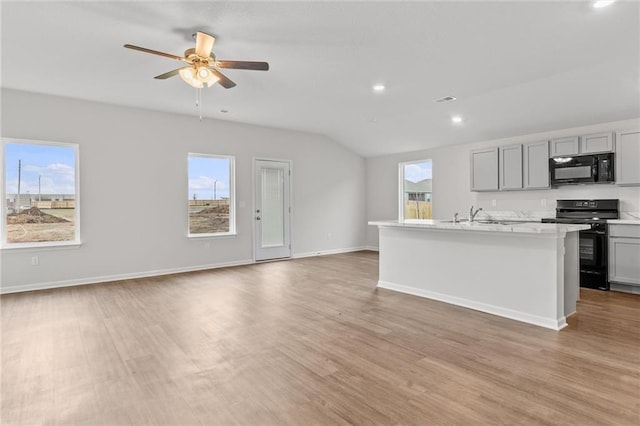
x=207, y=246
x=328, y=235
x=543, y=202
x=494, y=203
x=35, y=261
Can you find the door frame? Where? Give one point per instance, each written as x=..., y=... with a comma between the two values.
x=253, y=205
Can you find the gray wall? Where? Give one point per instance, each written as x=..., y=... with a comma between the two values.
x=451, y=191
x=140, y=158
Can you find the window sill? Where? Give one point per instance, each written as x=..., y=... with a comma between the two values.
x=66, y=245
x=215, y=236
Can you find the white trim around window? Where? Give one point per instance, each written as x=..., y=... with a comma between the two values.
x=401, y=181
x=30, y=166
x=197, y=191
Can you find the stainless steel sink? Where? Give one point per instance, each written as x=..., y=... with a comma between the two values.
x=488, y=222
x=501, y=222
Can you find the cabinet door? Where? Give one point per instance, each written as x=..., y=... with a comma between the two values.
x=484, y=169
x=536, y=165
x=597, y=142
x=565, y=146
x=510, y=163
x=623, y=260
x=628, y=158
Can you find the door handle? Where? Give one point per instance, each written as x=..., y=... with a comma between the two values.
x=257, y=217
x=258, y=211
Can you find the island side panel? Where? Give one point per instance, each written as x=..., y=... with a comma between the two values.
x=571, y=272
x=514, y=275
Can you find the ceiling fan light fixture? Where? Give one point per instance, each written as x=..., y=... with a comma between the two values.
x=189, y=76
x=203, y=74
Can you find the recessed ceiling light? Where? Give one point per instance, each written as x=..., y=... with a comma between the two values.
x=602, y=3
x=378, y=88
x=456, y=119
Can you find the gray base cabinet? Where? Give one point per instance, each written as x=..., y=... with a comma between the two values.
x=628, y=158
x=624, y=254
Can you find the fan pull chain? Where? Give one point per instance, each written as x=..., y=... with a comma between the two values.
x=199, y=102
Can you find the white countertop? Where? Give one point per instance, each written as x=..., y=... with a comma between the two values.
x=524, y=227
x=623, y=221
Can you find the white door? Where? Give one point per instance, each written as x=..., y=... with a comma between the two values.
x=272, y=214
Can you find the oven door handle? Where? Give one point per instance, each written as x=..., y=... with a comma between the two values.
x=587, y=231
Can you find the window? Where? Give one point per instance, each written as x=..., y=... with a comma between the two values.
x=415, y=190
x=40, y=198
x=211, y=198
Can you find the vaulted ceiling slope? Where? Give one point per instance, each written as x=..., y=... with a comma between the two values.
x=515, y=67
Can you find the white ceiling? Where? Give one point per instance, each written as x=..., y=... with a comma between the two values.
x=515, y=67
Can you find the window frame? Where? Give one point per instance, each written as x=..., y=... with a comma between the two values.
x=232, y=197
x=76, y=242
x=401, y=179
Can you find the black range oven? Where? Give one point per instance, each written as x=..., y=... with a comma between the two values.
x=594, y=241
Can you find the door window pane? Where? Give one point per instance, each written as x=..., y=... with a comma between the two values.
x=272, y=215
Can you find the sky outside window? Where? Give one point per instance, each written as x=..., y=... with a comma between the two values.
x=53, y=165
x=416, y=172
x=208, y=175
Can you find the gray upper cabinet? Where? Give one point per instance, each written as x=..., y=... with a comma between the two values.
x=565, y=146
x=628, y=158
x=484, y=169
x=597, y=142
x=510, y=164
x=536, y=165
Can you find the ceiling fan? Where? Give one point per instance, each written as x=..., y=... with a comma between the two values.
x=202, y=64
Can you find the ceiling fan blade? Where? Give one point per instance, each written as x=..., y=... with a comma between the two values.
x=204, y=44
x=244, y=65
x=168, y=74
x=155, y=52
x=222, y=79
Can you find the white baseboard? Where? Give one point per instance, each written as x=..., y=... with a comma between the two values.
x=118, y=277
x=326, y=252
x=478, y=306
x=372, y=248
x=633, y=289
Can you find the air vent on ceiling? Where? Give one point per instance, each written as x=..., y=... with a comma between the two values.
x=445, y=99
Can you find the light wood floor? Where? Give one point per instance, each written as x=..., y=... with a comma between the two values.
x=303, y=342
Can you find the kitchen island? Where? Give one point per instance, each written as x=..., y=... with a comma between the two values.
x=524, y=271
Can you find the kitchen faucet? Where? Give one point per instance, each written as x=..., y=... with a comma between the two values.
x=473, y=214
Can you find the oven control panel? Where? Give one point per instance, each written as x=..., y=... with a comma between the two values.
x=586, y=203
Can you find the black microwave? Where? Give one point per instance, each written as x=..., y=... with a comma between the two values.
x=594, y=168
